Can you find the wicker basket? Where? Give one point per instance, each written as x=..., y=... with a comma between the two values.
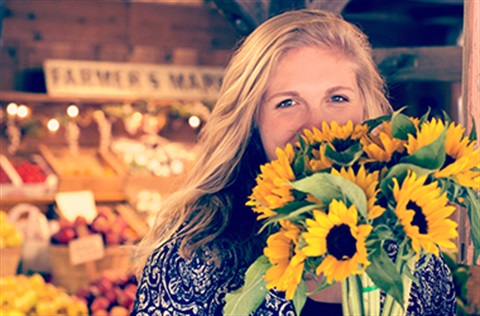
x=71, y=277
x=9, y=260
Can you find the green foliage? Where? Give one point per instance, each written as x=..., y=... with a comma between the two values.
x=402, y=126
x=245, y=300
x=431, y=156
x=333, y=187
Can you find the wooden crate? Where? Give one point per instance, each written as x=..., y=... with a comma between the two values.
x=72, y=277
x=98, y=172
x=9, y=260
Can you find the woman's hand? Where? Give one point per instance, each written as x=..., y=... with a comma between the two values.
x=332, y=294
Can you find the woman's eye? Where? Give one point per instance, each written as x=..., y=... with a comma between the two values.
x=338, y=98
x=286, y=103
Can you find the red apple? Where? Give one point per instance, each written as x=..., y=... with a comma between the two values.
x=100, y=224
x=124, y=299
x=84, y=293
x=99, y=303
x=64, y=235
x=111, y=296
x=104, y=285
x=93, y=288
x=121, y=280
x=113, y=238
x=80, y=221
x=119, y=225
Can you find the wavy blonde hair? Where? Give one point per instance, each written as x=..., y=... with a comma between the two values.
x=194, y=208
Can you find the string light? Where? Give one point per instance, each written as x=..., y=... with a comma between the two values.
x=23, y=111
x=12, y=108
x=194, y=121
x=72, y=110
x=53, y=125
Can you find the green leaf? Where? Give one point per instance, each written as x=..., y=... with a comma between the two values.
x=473, y=132
x=300, y=297
x=292, y=214
x=384, y=274
x=400, y=171
x=325, y=187
x=346, y=157
x=299, y=164
x=245, y=300
x=402, y=126
x=431, y=156
x=473, y=207
x=372, y=123
x=424, y=117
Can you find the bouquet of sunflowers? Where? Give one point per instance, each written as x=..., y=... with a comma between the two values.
x=332, y=201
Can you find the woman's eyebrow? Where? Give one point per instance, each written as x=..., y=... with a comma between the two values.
x=337, y=88
x=281, y=94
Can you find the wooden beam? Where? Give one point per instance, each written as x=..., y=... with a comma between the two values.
x=442, y=63
x=471, y=64
x=470, y=106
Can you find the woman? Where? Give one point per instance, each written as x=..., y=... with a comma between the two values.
x=293, y=72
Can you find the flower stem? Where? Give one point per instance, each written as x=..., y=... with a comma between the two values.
x=392, y=307
x=351, y=296
x=371, y=296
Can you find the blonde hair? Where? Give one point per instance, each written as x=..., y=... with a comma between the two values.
x=197, y=207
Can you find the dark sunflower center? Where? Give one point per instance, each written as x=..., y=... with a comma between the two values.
x=448, y=160
x=340, y=242
x=342, y=144
x=419, y=218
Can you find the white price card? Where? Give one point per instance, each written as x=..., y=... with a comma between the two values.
x=84, y=249
x=77, y=203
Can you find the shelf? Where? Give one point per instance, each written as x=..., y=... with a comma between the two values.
x=42, y=98
x=7, y=203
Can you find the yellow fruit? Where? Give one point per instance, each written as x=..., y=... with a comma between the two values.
x=46, y=308
x=15, y=239
x=77, y=308
x=37, y=282
x=12, y=312
x=3, y=216
x=26, y=302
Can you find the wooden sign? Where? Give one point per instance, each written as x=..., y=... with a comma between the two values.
x=76, y=203
x=107, y=79
x=86, y=249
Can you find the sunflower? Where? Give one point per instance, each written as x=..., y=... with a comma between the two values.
x=319, y=161
x=272, y=190
x=368, y=183
x=382, y=145
x=423, y=212
x=338, y=137
x=462, y=163
x=287, y=259
x=426, y=134
x=337, y=236
x=333, y=131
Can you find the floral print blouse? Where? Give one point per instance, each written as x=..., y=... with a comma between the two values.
x=171, y=285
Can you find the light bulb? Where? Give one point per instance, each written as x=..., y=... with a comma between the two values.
x=72, y=110
x=23, y=111
x=12, y=108
x=53, y=125
x=194, y=121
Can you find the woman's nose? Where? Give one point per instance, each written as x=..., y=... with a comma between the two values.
x=315, y=118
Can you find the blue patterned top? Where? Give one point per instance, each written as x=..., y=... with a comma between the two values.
x=171, y=285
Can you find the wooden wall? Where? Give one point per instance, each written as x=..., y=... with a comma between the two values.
x=112, y=30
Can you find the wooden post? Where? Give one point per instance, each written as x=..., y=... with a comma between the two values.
x=470, y=98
